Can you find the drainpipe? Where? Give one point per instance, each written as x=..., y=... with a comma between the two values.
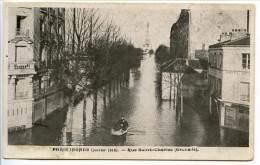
x=248, y=14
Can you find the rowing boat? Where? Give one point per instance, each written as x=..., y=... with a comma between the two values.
x=119, y=132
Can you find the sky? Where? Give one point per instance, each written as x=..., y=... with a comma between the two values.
x=133, y=24
x=133, y=19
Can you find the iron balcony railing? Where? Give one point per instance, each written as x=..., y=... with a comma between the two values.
x=22, y=33
x=21, y=65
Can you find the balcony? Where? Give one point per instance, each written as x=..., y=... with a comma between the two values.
x=21, y=68
x=22, y=33
x=244, y=97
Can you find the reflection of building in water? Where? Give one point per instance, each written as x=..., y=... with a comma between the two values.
x=147, y=43
x=229, y=80
x=35, y=40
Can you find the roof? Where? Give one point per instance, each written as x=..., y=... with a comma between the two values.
x=189, y=79
x=240, y=42
x=182, y=69
x=195, y=64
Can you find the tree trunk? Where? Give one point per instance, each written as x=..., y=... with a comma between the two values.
x=127, y=77
x=70, y=122
x=109, y=91
x=121, y=77
x=174, y=91
x=104, y=95
x=95, y=101
x=84, y=117
x=74, y=28
x=170, y=94
x=114, y=86
x=117, y=85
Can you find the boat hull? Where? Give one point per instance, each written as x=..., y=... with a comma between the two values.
x=119, y=132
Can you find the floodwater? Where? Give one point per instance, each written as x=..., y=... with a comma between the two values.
x=152, y=122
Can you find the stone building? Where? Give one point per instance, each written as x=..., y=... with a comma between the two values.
x=229, y=80
x=202, y=53
x=197, y=28
x=35, y=41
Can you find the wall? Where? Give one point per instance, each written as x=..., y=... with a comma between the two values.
x=234, y=74
x=233, y=58
x=46, y=105
x=20, y=113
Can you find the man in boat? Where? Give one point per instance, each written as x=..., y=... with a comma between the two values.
x=123, y=123
x=117, y=127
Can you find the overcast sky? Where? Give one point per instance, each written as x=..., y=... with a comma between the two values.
x=133, y=24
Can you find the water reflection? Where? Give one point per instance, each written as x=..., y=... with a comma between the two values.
x=152, y=121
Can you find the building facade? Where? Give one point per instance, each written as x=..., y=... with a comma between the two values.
x=229, y=81
x=35, y=43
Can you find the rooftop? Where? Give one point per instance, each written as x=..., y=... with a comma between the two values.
x=240, y=42
x=195, y=64
x=178, y=69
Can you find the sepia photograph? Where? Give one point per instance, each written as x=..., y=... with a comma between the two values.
x=118, y=75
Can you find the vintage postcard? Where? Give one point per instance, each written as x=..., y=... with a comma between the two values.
x=128, y=81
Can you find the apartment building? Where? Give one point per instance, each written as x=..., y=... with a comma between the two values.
x=35, y=43
x=229, y=79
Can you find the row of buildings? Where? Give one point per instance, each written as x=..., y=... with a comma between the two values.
x=35, y=41
x=200, y=36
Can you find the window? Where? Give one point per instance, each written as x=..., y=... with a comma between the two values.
x=20, y=89
x=244, y=91
x=246, y=61
x=20, y=54
x=21, y=26
x=42, y=57
x=60, y=29
x=42, y=26
x=40, y=83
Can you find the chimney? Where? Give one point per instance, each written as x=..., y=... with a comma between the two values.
x=247, y=21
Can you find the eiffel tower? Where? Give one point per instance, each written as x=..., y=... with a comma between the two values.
x=147, y=42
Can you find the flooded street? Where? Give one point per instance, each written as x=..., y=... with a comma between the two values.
x=152, y=123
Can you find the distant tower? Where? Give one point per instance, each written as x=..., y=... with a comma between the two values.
x=147, y=42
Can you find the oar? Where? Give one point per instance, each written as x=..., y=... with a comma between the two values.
x=137, y=131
